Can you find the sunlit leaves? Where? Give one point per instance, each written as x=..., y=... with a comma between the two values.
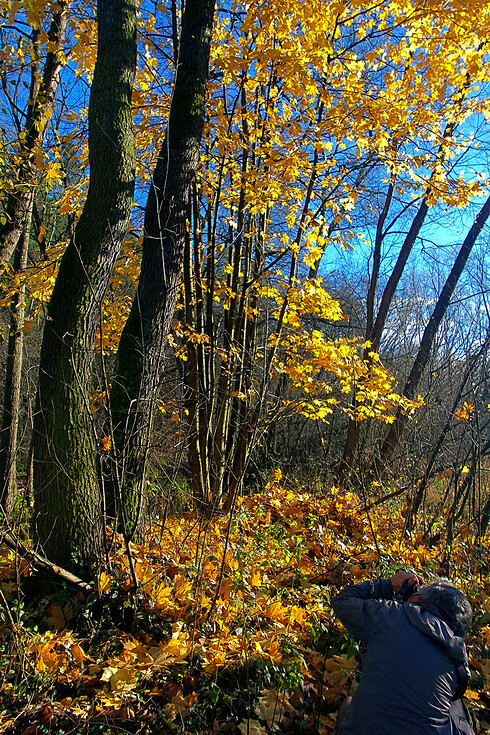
x=466, y=411
x=222, y=609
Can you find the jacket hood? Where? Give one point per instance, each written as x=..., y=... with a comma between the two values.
x=438, y=630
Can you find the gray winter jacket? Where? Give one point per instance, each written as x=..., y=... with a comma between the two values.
x=408, y=673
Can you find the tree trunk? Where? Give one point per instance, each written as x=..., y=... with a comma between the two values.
x=420, y=493
x=18, y=201
x=13, y=377
x=430, y=332
x=139, y=360
x=375, y=326
x=352, y=439
x=67, y=499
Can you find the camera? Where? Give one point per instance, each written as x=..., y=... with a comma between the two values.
x=406, y=591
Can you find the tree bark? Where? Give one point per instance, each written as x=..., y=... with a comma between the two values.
x=67, y=498
x=139, y=360
x=13, y=377
x=38, y=562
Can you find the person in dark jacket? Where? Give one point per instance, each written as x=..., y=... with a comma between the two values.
x=409, y=671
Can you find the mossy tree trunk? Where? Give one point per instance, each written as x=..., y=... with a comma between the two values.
x=139, y=361
x=67, y=497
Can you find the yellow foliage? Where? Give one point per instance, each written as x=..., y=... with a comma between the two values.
x=465, y=412
x=277, y=538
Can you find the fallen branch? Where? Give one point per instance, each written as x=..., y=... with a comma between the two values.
x=39, y=562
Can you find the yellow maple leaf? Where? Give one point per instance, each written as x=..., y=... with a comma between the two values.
x=255, y=577
x=105, y=444
x=104, y=581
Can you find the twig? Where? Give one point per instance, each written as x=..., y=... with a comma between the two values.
x=384, y=498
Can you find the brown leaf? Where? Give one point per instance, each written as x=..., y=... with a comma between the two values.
x=180, y=706
x=47, y=715
x=29, y=730
x=59, y=617
x=9, y=590
x=170, y=690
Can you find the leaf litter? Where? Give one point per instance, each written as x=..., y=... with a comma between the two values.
x=229, y=628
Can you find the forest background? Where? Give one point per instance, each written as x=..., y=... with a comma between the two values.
x=245, y=334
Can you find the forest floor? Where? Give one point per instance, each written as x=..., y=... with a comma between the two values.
x=221, y=625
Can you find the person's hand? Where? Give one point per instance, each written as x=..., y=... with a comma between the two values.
x=398, y=579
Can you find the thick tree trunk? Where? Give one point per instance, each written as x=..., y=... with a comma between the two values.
x=67, y=499
x=139, y=361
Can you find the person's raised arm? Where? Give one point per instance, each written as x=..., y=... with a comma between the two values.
x=354, y=605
